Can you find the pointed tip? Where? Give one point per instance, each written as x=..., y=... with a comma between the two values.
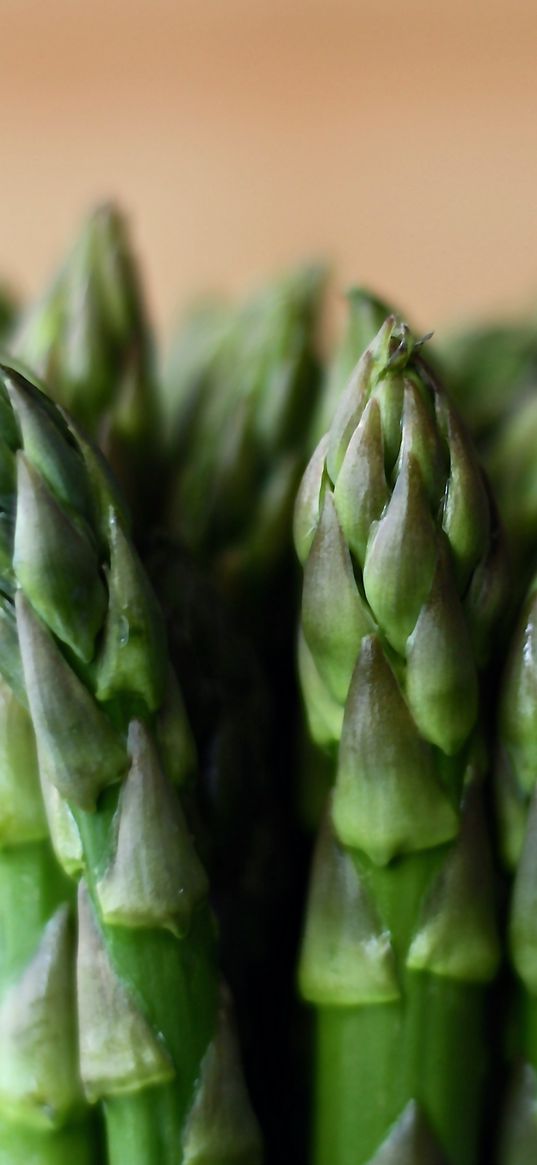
x=221, y=1125
x=38, y=1078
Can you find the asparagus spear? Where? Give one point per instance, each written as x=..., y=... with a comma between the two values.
x=516, y=787
x=237, y=430
x=44, y=1117
x=249, y=852
x=244, y=383
x=240, y=436
x=156, y=1043
x=366, y=314
x=190, y=365
x=403, y=580
x=89, y=339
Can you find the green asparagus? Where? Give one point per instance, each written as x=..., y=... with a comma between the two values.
x=44, y=1117
x=190, y=365
x=240, y=389
x=366, y=314
x=404, y=578
x=89, y=339
x=237, y=427
x=155, y=1038
x=249, y=851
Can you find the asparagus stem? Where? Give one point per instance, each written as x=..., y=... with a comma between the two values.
x=351, y=1124
x=112, y=757
x=78, y=1143
x=424, y=1025
x=142, y=1131
x=402, y=582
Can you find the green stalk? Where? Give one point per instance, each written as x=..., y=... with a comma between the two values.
x=155, y=1038
x=446, y=1088
x=20, y=1146
x=177, y=984
x=425, y=1026
x=403, y=579
x=43, y=1118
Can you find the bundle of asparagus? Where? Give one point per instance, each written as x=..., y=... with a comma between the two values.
x=148, y=754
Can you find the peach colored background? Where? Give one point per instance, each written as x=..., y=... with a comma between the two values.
x=398, y=139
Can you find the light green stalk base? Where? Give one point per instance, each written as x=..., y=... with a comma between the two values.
x=427, y=1047
x=176, y=987
x=146, y=1127
x=32, y=886
x=72, y=1146
x=372, y=1060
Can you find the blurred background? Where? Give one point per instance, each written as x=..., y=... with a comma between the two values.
x=399, y=141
